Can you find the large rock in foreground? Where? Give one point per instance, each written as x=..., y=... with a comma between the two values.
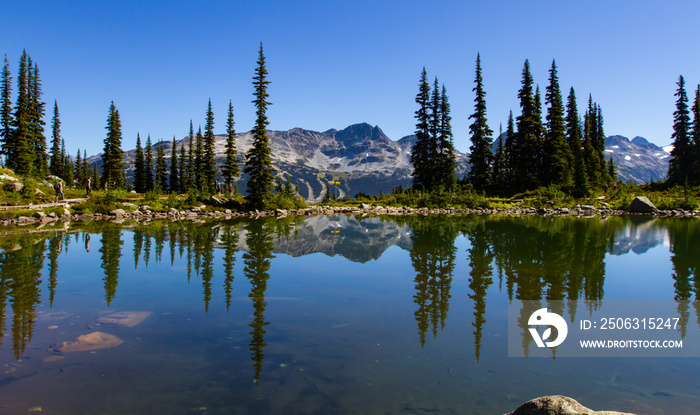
x=558, y=405
x=641, y=204
x=93, y=341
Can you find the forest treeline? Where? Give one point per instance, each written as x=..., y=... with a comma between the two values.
x=549, y=144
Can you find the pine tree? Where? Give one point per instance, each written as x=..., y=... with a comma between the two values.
x=556, y=149
x=258, y=161
x=86, y=168
x=510, y=151
x=600, y=143
x=184, y=178
x=6, y=118
x=573, y=132
x=161, y=174
x=199, y=160
x=36, y=116
x=55, y=141
x=420, y=153
x=480, y=156
x=112, y=162
x=21, y=158
x=63, y=162
x=499, y=164
x=174, y=174
x=679, y=169
x=191, y=174
x=78, y=174
x=590, y=152
x=695, y=133
x=209, y=164
x=230, y=169
x=527, y=145
x=139, y=167
x=446, y=160
x=612, y=170
x=148, y=166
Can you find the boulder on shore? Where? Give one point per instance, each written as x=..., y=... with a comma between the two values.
x=558, y=405
x=641, y=204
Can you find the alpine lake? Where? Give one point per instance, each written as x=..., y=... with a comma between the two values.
x=331, y=314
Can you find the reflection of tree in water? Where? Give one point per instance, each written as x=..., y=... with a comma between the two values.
x=20, y=277
x=433, y=259
x=684, y=236
x=480, y=276
x=111, y=251
x=53, y=266
x=230, y=241
x=256, y=269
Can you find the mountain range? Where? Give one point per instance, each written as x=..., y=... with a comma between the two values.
x=364, y=160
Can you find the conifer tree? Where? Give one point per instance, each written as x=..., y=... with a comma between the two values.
x=230, y=169
x=480, y=156
x=55, y=141
x=527, y=144
x=161, y=184
x=174, y=173
x=573, y=132
x=191, y=168
x=679, y=169
x=199, y=160
x=77, y=168
x=148, y=165
x=695, y=133
x=64, y=160
x=36, y=116
x=139, y=167
x=420, y=154
x=600, y=142
x=556, y=149
x=258, y=161
x=6, y=118
x=446, y=161
x=112, y=162
x=612, y=170
x=209, y=164
x=589, y=144
x=184, y=177
x=510, y=151
x=86, y=168
x=499, y=164
x=21, y=158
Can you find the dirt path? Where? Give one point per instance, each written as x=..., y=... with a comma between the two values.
x=63, y=203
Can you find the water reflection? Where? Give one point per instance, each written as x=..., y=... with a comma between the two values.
x=533, y=258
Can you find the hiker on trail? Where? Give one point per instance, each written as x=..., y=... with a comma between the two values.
x=88, y=188
x=58, y=187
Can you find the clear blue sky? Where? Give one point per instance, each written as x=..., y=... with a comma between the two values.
x=336, y=63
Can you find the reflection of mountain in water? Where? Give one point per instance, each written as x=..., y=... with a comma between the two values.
x=639, y=237
x=359, y=240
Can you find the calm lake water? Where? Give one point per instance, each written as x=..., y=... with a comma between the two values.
x=332, y=315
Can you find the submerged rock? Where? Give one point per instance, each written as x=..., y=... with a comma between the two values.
x=125, y=318
x=558, y=405
x=92, y=341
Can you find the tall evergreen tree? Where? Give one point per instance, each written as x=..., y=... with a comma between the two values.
x=446, y=161
x=589, y=144
x=148, y=166
x=112, y=162
x=480, y=156
x=499, y=164
x=139, y=167
x=679, y=169
x=258, y=161
x=420, y=154
x=556, y=149
x=184, y=178
x=161, y=184
x=527, y=145
x=510, y=151
x=174, y=174
x=209, y=164
x=573, y=132
x=78, y=173
x=55, y=141
x=6, y=118
x=230, y=169
x=36, y=116
x=21, y=158
x=191, y=173
x=199, y=160
x=695, y=133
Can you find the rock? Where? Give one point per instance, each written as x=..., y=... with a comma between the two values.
x=93, y=341
x=365, y=206
x=118, y=212
x=558, y=405
x=125, y=319
x=587, y=207
x=8, y=178
x=641, y=204
x=145, y=208
x=14, y=187
x=39, y=215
